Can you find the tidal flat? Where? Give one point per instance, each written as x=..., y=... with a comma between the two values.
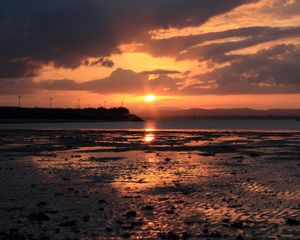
x=85, y=184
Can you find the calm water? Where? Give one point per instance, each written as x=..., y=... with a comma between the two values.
x=245, y=124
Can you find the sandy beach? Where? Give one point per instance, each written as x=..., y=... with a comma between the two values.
x=149, y=185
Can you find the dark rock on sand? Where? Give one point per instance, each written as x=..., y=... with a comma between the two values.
x=126, y=235
x=254, y=154
x=41, y=204
x=186, y=235
x=101, y=201
x=239, y=238
x=206, y=234
x=169, y=235
x=171, y=211
x=237, y=224
x=130, y=214
x=70, y=223
x=147, y=208
x=292, y=222
x=38, y=217
x=85, y=218
x=226, y=220
x=12, y=236
x=137, y=224
x=206, y=154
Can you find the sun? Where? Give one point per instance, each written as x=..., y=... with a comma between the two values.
x=150, y=98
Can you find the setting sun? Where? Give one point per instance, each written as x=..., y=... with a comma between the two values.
x=150, y=98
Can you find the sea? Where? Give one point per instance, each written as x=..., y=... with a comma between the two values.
x=205, y=124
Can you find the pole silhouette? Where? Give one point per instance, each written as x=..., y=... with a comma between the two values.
x=78, y=103
x=19, y=101
x=50, y=102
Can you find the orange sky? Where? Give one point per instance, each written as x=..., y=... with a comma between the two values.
x=245, y=55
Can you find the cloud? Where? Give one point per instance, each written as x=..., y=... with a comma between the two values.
x=220, y=52
x=65, y=32
x=160, y=72
x=70, y=33
x=120, y=81
x=208, y=46
x=274, y=70
x=282, y=8
x=10, y=86
x=104, y=62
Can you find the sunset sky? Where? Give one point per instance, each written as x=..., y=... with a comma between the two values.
x=186, y=53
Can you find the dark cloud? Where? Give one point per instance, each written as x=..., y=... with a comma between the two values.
x=196, y=46
x=104, y=62
x=274, y=70
x=17, y=86
x=218, y=52
x=65, y=32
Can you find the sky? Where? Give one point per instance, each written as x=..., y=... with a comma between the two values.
x=186, y=53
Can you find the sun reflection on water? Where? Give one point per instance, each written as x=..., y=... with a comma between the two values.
x=149, y=137
x=149, y=132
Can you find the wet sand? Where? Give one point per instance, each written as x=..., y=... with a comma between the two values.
x=149, y=185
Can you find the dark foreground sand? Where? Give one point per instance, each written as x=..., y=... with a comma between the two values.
x=143, y=185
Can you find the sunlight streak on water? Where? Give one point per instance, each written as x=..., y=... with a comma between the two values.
x=150, y=127
x=149, y=137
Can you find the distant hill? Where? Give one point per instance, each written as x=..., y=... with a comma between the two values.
x=198, y=113
x=15, y=114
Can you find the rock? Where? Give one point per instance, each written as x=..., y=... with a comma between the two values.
x=253, y=154
x=207, y=154
x=126, y=235
x=168, y=159
x=216, y=235
x=170, y=211
x=186, y=235
x=131, y=214
x=58, y=194
x=137, y=224
x=147, y=208
x=38, y=217
x=239, y=237
x=237, y=224
x=169, y=235
x=41, y=204
x=292, y=222
x=12, y=236
x=70, y=223
x=85, y=218
x=206, y=234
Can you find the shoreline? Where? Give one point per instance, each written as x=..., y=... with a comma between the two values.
x=168, y=185
x=16, y=121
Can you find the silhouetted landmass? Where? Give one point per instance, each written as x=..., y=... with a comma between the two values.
x=15, y=114
x=199, y=113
